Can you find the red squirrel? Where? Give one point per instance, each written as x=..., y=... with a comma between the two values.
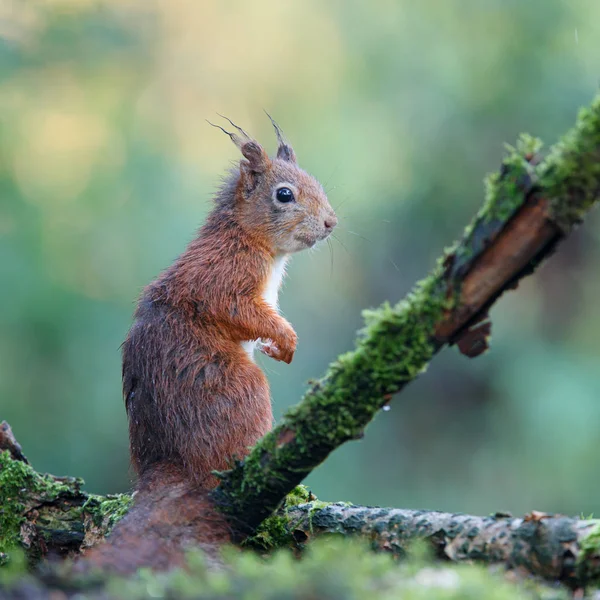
x=194, y=396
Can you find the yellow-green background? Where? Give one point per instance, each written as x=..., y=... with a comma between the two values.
x=400, y=107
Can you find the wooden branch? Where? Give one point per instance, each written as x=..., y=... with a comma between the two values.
x=556, y=548
x=53, y=515
x=46, y=515
x=338, y=569
x=8, y=442
x=529, y=208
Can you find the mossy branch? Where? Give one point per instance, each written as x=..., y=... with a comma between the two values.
x=529, y=207
x=554, y=547
x=47, y=515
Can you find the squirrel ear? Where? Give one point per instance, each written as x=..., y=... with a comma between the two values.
x=258, y=160
x=284, y=150
x=253, y=168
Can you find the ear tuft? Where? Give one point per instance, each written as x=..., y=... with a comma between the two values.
x=250, y=148
x=284, y=150
x=257, y=160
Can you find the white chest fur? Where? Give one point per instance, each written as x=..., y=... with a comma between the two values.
x=270, y=293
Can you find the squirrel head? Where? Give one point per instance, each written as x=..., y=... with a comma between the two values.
x=275, y=199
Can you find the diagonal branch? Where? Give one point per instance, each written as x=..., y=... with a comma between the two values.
x=529, y=207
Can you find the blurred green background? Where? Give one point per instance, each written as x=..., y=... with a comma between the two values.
x=107, y=167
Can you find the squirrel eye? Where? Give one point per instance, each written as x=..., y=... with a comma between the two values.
x=284, y=194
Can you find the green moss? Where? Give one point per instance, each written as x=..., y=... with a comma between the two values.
x=272, y=533
x=13, y=568
x=331, y=568
x=506, y=189
x=277, y=531
x=299, y=495
x=13, y=478
x=393, y=348
x=571, y=172
x=106, y=511
x=505, y=192
x=588, y=561
x=21, y=488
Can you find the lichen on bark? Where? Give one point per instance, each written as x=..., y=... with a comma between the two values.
x=40, y=513
x=588, y=561
x=21, y=489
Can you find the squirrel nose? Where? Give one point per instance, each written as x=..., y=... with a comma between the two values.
x=330, y=222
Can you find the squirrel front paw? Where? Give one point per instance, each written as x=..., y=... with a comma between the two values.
x=283, y=349
x=270, y=348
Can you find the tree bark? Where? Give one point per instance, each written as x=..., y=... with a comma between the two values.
x=552, y=547
x=46, y=515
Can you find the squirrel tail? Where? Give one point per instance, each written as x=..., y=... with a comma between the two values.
x=170, y=514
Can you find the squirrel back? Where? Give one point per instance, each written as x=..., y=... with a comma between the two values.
x=195, y=398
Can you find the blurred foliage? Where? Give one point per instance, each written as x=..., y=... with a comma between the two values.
x=400, y=108
x=331, y=569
